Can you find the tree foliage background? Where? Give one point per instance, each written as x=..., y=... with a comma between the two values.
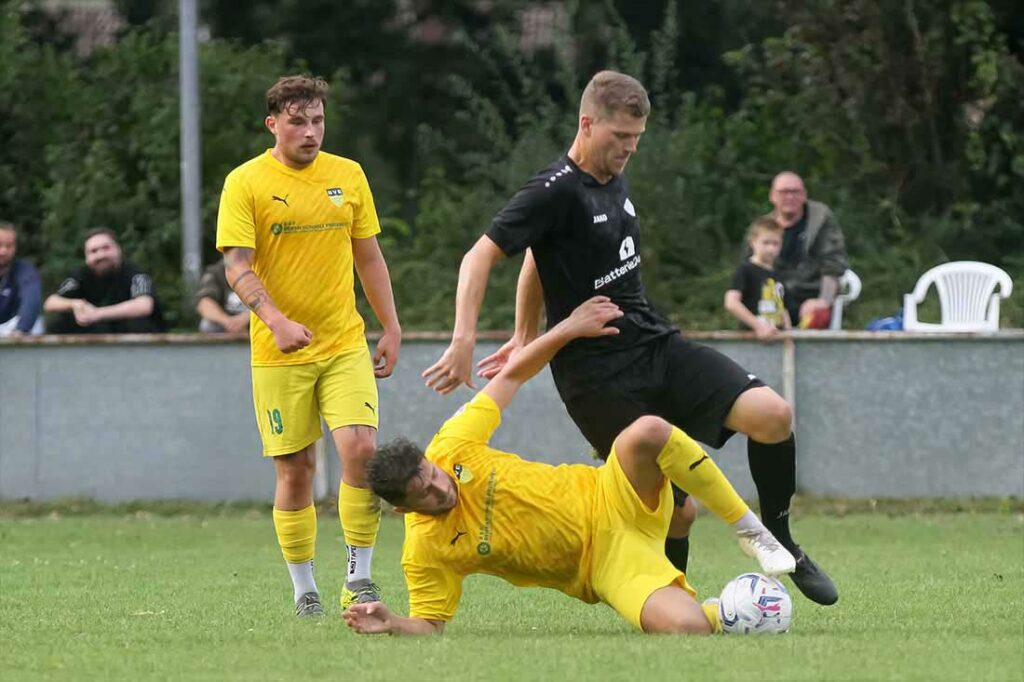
x=904, y=116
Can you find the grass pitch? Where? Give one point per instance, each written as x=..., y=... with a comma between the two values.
x=137, y=596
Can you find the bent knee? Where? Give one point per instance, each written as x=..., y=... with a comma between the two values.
x=648, y=433
x=774, y=423
x=358, y=446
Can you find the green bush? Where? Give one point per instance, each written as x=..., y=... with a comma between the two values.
x=905, y=119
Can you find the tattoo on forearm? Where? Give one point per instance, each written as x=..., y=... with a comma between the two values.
x=256, y=300
x=247, y=273
x=247, y=285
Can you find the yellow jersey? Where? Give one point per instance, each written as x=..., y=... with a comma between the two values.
x=301, y=224
x=527, y=522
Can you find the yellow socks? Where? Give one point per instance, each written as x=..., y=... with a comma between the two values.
x=359, y=511
x=689, y=467
x=711, y=611
x=296, y=533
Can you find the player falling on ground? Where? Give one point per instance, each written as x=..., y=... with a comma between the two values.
x=595, y=533
x=292, y=224
x=581, y=234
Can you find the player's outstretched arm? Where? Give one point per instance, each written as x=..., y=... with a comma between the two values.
x=376, y=619
x=589, y=319
x=529, y=302
x=373, y=273
x=456, y=364
x=289, y=336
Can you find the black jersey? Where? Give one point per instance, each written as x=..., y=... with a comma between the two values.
x=585, y=238
x=761, y=291
x=123, y=284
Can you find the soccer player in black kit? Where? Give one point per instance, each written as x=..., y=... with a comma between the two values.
x=581, y=234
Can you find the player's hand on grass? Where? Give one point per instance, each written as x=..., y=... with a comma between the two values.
x=453, y=369
x=291, y=336
x=386, y=356
x=592, y=317
x=368, y=619
x=489, y=367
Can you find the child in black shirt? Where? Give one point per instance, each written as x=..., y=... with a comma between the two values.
x=755, y=297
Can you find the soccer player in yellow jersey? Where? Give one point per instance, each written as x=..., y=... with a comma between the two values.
x=293, y=224
x=596, y=534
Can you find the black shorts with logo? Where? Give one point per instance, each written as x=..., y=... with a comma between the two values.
x=688, y=384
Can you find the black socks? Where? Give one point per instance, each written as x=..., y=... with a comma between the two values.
x=773, y=468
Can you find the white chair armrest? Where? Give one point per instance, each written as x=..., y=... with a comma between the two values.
x=909, y=312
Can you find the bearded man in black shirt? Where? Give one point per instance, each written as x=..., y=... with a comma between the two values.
x=581, y=234
x=107, y=295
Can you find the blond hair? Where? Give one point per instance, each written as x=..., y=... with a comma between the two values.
x=611, y=92
x=762, y=224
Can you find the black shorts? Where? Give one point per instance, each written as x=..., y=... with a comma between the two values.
x=689, y=385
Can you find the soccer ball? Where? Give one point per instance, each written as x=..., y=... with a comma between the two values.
x=755, y=604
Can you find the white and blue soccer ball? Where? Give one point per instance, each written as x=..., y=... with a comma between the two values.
x=755, y=604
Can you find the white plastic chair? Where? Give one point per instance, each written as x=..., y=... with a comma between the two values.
x=967, y=297
x=849, y=290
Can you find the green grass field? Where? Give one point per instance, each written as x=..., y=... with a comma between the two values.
x=138, y=596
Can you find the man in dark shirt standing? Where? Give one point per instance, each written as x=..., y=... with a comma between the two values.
x=107, y=296
x=21, y=291
x=581, y=234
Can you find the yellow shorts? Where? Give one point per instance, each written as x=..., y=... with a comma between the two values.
x=290, y=399
x=629, y=562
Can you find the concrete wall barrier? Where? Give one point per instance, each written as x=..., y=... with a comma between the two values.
x=171, y=416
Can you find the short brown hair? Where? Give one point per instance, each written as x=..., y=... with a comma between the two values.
x=762, y=224
x=98, y=231
x=4, y=225
x=611, y=92
x=301, y=90
x=391, y=469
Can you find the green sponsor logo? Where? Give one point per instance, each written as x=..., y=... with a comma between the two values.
x=289, y=227
x=483, y=545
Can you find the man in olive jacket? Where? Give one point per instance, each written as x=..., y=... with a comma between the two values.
x=813, y=252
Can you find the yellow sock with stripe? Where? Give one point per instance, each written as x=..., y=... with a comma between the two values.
x=296, y=534
x=359, y=511
x=689, y=467
x=711, y=611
